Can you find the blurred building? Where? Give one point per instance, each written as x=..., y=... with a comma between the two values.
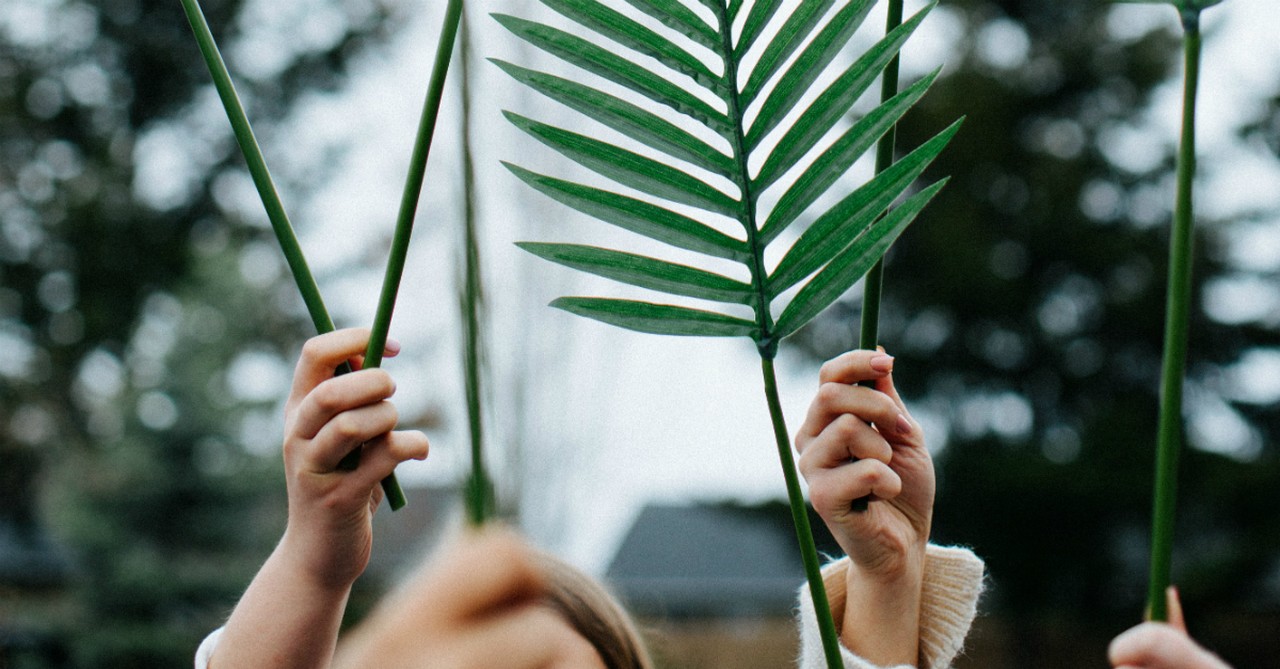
x=714, y=585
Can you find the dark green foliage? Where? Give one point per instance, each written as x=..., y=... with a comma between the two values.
x=80, y=258
x=1034, y=291
x=835, y=250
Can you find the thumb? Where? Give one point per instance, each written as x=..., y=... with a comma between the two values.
x=1174, y=604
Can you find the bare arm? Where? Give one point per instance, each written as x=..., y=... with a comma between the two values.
x=290, y=614
x=858, y=442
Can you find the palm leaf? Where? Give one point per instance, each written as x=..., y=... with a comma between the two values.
x=854, y=261
x=774, y=60
x=644, y=272
x=680, y=19
x=656, y=318
x=629, y=168
x=808, y=67
x=628, y=119
x=831, y=231
x=637, y=216
x=623, y=72
x=636, y=37
x=838, y=98
x=789, y=46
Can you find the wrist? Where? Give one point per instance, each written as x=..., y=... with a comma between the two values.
x=312, y=566
x=881, y=617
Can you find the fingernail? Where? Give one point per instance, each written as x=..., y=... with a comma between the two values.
x=904, y=425
x=882, y=363
x=392, y=347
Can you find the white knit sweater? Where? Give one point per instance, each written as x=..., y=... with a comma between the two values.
x=949, y=602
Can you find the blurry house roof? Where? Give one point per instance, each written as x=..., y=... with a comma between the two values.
x=713, y=560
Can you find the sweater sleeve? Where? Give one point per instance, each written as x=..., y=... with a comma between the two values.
x=205, y=652
x=949, y=603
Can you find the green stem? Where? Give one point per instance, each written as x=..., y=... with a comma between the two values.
x=409, y=208
x=1175, y=337
x=258, y=169
x=800, y=518
x=768, y=347
x=479, y=497
x=872, y=284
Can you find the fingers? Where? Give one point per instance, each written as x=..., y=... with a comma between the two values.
x=835, y=399
x=832, y=491
x=1160, y=646
x=529, y=637
x=1174, y=605
x=846, y=438
x=488, y=569
x=322, y=354
x=855, y=367
x=381, y=454
x=337, y=395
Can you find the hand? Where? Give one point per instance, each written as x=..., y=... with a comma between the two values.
x=855, y=443
x=858, y=442
x=477, y=606
x=1161, y=645
x=330, y=527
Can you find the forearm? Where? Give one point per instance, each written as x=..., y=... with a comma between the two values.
x=881, y=617
x=952, y=584
x=285, y=620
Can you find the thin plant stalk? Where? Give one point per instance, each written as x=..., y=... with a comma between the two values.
x=408, y=209
x=1169, y=439
x=767, y=345
x=479, y=493
x=258, y=169
x=872, y=284
x=800, y=519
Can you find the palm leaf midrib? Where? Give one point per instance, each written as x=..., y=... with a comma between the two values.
x=742, y=177
x=722, y=103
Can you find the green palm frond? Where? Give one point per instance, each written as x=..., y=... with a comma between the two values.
x=694, y=122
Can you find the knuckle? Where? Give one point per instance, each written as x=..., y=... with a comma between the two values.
x=325, y=398
x=345, y=427
x=313, y=349
x=830, y=393
x=846, y=428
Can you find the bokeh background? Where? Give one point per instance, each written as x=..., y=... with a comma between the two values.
x=148, y=326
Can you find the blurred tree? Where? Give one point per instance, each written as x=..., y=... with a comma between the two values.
x=128, y=284
x=1026, y=310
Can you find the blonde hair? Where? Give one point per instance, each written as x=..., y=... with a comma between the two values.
x=594, y=613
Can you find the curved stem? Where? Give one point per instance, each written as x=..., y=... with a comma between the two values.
x=800, y=518
x=1175, y=338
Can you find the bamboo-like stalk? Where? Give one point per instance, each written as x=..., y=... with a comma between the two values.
x=409, y=207
x=479, y=492
x=872, y=284
x=1169, y=440
x=874, y=280
x=258, y=169
x=800, y=518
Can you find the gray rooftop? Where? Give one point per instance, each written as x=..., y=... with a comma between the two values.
x=712, y=560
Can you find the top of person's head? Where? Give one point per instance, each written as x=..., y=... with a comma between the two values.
x=594, y=613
